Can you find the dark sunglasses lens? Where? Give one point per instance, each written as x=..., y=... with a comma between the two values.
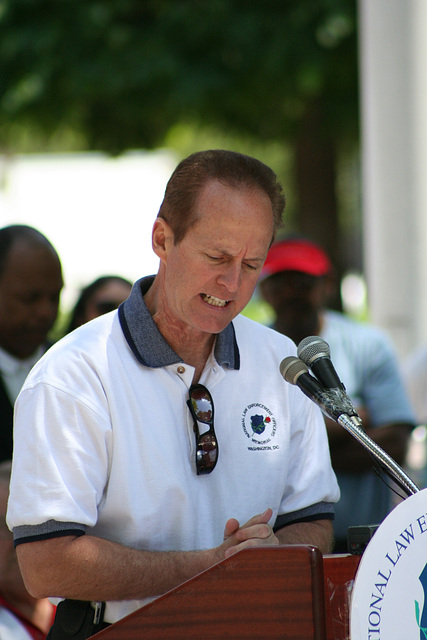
x=201, y=402
x=201, y=406
x=207, y=453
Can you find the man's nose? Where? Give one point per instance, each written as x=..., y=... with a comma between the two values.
x=230, y=276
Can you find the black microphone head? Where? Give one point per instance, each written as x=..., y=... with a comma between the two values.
x=291, y=368
x=313, y=347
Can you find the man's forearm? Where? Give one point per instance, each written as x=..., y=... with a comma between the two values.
x=89, y=568
x=318, y=533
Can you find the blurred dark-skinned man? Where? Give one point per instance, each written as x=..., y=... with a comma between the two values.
x=30, y=287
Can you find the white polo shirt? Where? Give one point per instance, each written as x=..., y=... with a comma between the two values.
x=105, y=438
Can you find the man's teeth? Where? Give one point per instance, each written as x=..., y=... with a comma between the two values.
x=215, y=302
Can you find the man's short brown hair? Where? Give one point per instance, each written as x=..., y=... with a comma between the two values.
x=228, y=167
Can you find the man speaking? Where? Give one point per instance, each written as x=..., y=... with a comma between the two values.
x=161, y=438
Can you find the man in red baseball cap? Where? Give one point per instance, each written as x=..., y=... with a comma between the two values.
x=298, y=282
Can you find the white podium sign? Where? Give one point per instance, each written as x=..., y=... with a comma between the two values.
x=389, y=598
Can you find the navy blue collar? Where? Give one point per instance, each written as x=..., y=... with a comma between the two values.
x=147, y=343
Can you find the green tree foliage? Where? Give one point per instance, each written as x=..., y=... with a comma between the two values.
x=122, y=72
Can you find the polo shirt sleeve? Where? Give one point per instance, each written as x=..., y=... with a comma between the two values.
x=311, y=485
x=59, y=489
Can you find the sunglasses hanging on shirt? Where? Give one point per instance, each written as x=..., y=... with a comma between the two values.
x=201, y=408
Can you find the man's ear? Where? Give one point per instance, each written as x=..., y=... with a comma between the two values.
x=161, y=238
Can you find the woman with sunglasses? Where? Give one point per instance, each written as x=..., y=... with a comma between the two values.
x=100, y=296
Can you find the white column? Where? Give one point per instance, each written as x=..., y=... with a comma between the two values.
x=393, y=76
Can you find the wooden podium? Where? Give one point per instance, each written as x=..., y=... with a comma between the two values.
x=289, y=592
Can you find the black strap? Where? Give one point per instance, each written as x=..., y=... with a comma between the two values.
x=77, y=620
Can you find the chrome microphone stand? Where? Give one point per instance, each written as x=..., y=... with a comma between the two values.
x=354, y=426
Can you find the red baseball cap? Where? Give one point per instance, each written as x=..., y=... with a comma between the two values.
x=296, y=255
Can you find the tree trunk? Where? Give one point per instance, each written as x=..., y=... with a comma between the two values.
x=315, y=175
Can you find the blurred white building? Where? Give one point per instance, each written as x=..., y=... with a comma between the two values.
x=97, y=211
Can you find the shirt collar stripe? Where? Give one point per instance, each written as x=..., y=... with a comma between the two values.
x=147, y=343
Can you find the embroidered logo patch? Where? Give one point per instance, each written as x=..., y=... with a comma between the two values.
x=259, y=426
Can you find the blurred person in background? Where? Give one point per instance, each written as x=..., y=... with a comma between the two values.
x=100, y=296
x=298, y=282
x=22, y=617
x=30, y=287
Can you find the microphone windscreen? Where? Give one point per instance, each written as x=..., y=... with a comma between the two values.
x=291, y=368
x=311, y=348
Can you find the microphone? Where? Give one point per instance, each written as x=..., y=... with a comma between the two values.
x=295, y=371
x=316, y=354
x=333, y=405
